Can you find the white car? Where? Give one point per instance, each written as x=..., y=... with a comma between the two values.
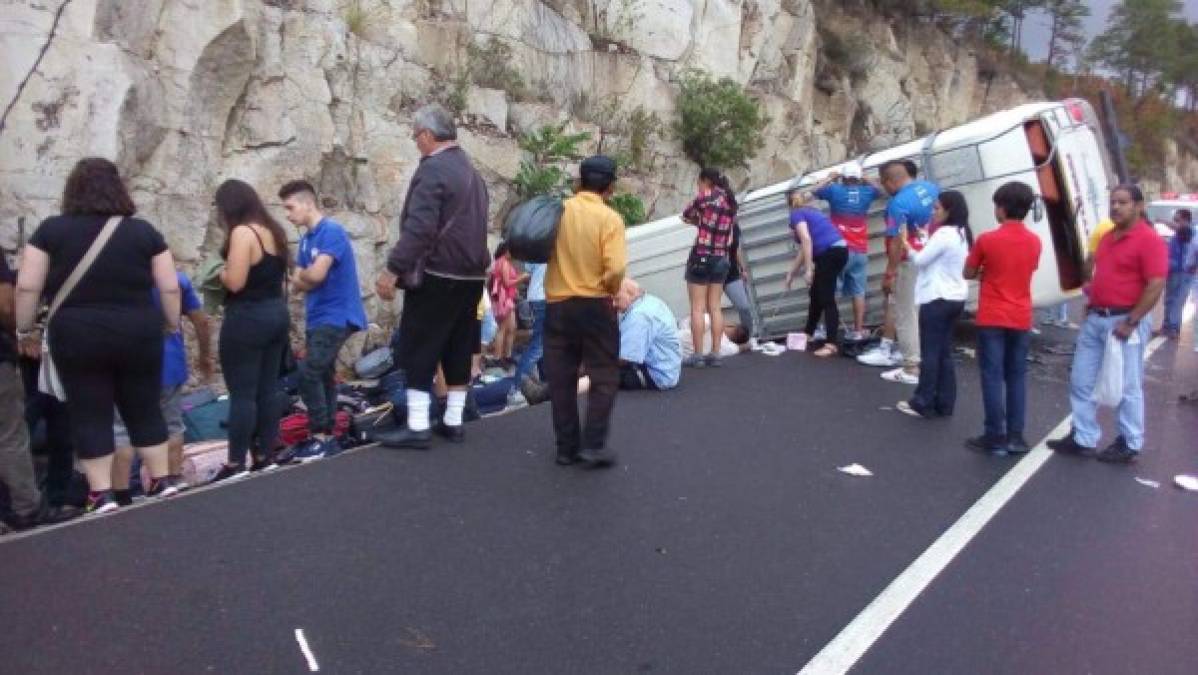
x=1161, y=211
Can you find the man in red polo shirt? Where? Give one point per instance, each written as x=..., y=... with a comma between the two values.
x=1005, y=260
x=1129, y=272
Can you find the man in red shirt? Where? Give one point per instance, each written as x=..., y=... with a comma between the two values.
x=1005, y=260
x=1129, y=272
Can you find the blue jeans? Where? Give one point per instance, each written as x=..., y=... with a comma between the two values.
x=937, y=390
x=1177, y=288
x=1087, y=365
x=536, y=343
x=1002, y=355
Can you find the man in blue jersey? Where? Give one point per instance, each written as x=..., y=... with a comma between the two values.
x=849, y=199
x=328, y=274
x=908, y=214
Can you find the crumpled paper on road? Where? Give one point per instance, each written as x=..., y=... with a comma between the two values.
x=855, y=470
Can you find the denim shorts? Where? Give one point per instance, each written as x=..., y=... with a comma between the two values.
x=853, y=279
x=707, y=270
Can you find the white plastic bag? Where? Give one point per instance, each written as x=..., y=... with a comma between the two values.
x=1109, y=389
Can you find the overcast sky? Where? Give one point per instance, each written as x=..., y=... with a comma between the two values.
x=1035, y=31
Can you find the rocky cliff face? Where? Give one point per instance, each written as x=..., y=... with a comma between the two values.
x=185, y=93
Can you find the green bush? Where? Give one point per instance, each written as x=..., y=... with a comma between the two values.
x=718, y=123
x=542, y=171
x=630, y=207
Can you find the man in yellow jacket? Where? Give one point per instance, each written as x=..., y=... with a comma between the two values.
x=581, y=328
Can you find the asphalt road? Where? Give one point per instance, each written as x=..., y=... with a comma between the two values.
x=725, y=542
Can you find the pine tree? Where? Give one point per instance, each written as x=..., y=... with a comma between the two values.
x=1067, y=35
x=1132, y=44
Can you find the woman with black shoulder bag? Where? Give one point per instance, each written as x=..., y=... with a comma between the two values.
x=95, y=264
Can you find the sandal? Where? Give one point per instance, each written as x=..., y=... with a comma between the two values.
x=826, y=351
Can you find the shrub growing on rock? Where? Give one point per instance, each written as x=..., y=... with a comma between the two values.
x=718, y=123
x=630, y=207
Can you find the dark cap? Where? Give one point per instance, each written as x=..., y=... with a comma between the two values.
x=598, y=164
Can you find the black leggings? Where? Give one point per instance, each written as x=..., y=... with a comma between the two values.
x=106, y=360
x=828, y=266
x=253, y=339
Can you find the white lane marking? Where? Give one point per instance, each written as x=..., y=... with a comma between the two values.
x=303, y=644
x=847, y=648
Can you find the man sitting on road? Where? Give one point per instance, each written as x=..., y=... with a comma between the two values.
x=650, y=349
x=650, y=352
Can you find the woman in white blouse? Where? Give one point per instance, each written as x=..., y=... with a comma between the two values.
x=940, y=292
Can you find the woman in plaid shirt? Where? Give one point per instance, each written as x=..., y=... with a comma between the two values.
x=713, y=212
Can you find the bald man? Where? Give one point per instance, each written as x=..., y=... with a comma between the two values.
x=650, y=352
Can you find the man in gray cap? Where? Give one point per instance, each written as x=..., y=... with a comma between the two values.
x=443, y=232
x=581, y=328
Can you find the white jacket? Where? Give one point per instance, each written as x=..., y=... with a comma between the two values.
x=941, y=265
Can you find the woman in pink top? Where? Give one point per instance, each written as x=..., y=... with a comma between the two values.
x=502, y=287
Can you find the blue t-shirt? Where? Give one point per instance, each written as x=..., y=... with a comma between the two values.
x=536, y=281
x=338, y=300
x=174, y=353
x=850, y=200
x=911, y=208
x=648, y=338
x=824, y=234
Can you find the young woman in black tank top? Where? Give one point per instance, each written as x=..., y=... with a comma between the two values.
x=253, y=336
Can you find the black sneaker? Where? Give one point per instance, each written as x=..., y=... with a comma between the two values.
x=230, y=472
x=405, y=438
x=1069, y=446
x=1017, y=445
x=1118, y=453
x=162, y=488
x=598, y=457
x=44, y=514
x=452, y=433
x=988, y=445
x=99, y=503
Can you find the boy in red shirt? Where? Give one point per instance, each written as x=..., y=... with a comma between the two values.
x=1129, y=271
x=1005, y=260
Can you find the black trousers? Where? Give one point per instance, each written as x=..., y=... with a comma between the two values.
x=937, y=390
x=253, y=338
x=582, y=332
x=822, y=296
x=636, y=377
x=110, y=359
x=439, y=326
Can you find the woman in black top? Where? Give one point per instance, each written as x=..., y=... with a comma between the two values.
x=106, y=339
x=253, y=337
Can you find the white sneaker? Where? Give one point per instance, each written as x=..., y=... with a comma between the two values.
x=516, y=400
x=901, y=376
x=820, y=334
x=882, y=356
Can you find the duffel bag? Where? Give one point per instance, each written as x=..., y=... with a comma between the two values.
x=375, y=364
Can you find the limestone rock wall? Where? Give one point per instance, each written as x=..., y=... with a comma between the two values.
x=186, y=93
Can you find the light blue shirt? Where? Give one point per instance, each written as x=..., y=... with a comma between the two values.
x=536, y=281
x=648, y=338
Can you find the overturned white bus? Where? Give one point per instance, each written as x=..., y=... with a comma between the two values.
x=1056, y=148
